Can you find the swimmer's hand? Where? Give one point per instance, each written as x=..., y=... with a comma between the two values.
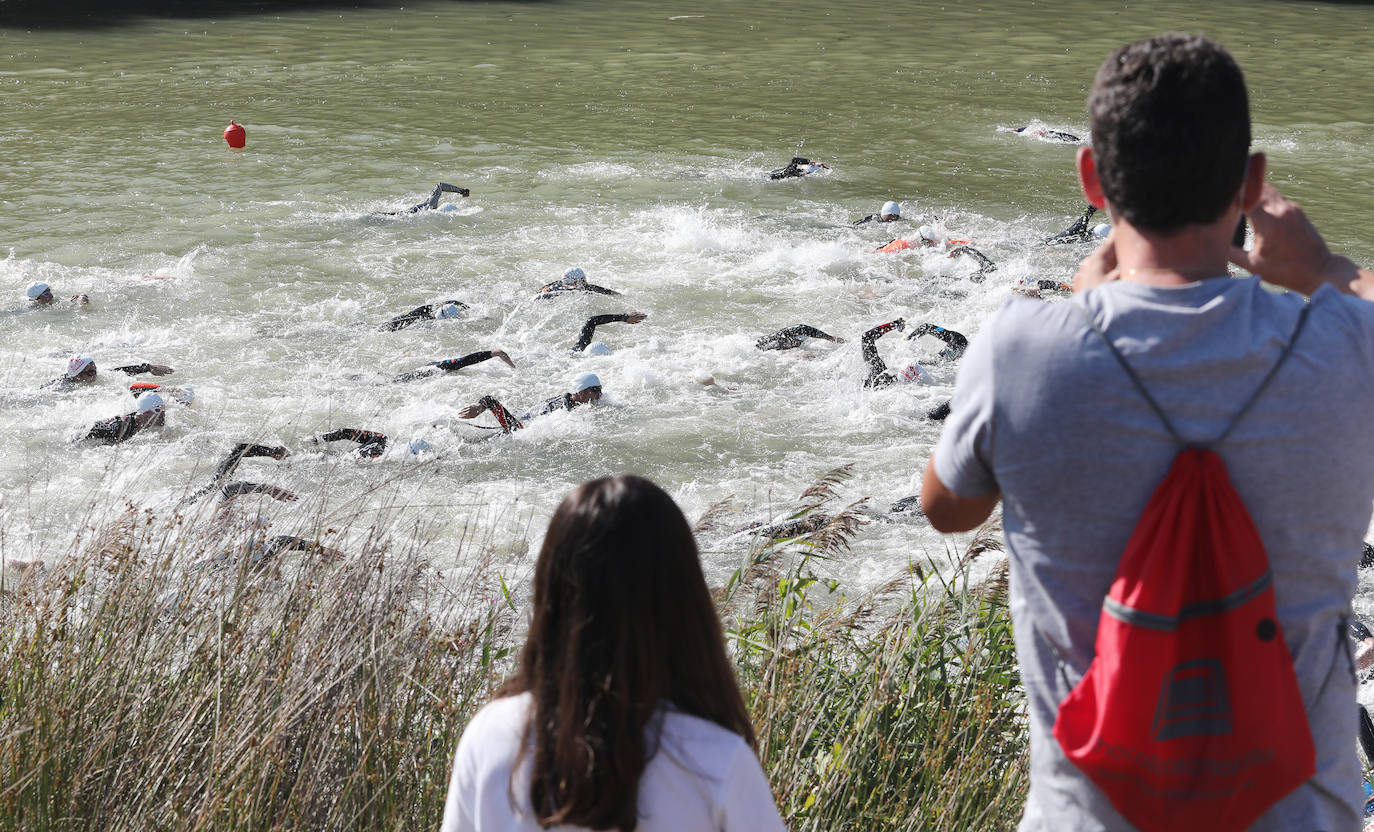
x=837, y=339
x=501, y=354
x=1099, y=267
x=1288, y=251
x=282, y=494
x=472, y=411
x=635, y=317
x=160, y=369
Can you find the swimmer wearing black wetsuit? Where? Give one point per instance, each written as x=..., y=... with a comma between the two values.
x=793, y=337
x=370, y=443
x=940, y=412
x=1056, y=135
x=985, y=264
x=452, y=365
x=428, y=312
x=799, y=166
x=587, y=390
x=240, y=452
x=86, y=373
x=433, y=201
x=589, y=328
x=955, y=342
x=878, y=376
x=1080, y=232
x=574, y=280
x=119, y=428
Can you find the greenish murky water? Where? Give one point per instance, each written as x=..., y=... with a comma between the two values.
x=631, y=139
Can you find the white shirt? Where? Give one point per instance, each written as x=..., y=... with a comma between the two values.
x=704, y=777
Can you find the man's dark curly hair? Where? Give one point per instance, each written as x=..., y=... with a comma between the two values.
x=1170, y=131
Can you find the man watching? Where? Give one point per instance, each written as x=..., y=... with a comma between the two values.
x=1045, y=417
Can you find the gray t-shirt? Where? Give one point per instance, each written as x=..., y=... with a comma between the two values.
x=1043, y=412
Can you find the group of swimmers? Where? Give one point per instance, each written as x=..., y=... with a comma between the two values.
x=152, y=398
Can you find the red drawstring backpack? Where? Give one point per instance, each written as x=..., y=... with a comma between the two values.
x=1189, y=716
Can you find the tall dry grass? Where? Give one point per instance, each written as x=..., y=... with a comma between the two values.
x=168, y=676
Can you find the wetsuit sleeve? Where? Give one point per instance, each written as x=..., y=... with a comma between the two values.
x=956, y=340
x=240, y=488
x=509, y=423
x=985, y=263
x=600, y=290
x=548, y=290
x=370, y=443
x=563, y=402
x=878, y=376
x=964, y=454
x=230, y=463
x=589, y=328
x=452, y=364
x=114, y=429
x=419, y=313
x=869, y=218
x=135, y=369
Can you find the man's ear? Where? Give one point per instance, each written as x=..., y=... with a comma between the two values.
x=1087, y=178
x=1254, y=181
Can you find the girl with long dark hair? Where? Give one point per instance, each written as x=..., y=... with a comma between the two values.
x=624, y=713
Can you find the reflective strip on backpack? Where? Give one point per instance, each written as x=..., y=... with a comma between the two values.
x=1169, y=623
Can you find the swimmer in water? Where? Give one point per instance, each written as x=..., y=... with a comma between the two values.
x=1045, y=133
x=40, y=294
x=955, y=342
x=448, y=310
x=890, y=212
x=985, y=264
x=586, y=390
x=119, y=428
x=81, y=370
x=371, y=444
x=574, y=280
x=452, y=365
x=799, y=166
x=240, y=452
x=878, y=375
x=793, y=337
x=1081, y=231
x=433, y=202
x=589, y=328
x=940, y=412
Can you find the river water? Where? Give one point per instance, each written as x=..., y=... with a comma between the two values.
x=629, y=138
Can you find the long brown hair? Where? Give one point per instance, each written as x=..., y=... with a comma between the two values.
x=623, y=625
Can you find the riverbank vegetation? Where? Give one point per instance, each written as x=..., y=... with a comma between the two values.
x=301, y=691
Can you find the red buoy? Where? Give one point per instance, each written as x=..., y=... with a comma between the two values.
x=235, y=135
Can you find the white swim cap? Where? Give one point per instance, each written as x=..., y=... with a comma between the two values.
x=573, y=275
x=149, y=401
x=1102, y=229
x=419, y=446
x=584, y=381
x=36, y=289
x=914, y=373
x=450, y=310
x=890, y=208
x=449, y=206
x=925, y=232
x=77, y=363
x=598, y=348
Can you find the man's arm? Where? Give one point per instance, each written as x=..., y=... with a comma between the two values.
x=878, y=376
x=137, y=369
x=1289, y=251
x=600, y=290
x=947, y=511
x=589, y=328
x=507, y=420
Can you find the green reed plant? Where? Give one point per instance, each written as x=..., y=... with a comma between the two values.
x=167, y=676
